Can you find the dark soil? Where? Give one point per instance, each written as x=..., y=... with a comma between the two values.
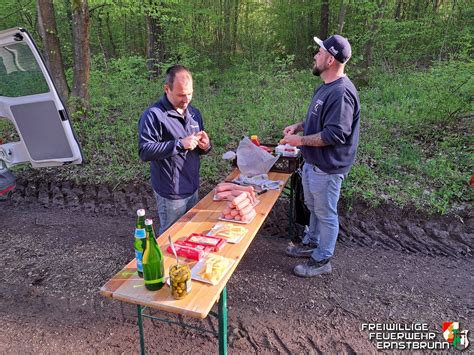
x=60, y=243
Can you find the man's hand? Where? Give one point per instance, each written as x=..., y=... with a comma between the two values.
x=190, y=142
x=294, y=128
x=204, y=141
x=292, y=139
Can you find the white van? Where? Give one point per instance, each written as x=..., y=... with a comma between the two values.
x=28, y=98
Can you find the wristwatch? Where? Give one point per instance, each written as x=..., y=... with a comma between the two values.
x=179, y=146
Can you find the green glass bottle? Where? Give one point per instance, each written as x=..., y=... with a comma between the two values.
x=153, y=268
x=139, y=243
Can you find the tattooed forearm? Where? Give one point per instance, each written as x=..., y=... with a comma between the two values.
x=313, y=140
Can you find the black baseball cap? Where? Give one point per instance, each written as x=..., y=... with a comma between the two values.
x=337, y=46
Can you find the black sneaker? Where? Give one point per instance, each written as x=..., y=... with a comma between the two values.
x=300, y=250
x=313, y=268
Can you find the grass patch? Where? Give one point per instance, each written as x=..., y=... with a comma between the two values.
x=416, y=126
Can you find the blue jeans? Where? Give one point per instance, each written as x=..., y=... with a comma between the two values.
x=169, y=211
x=321, y=193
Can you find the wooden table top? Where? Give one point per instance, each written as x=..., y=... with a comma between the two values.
x=127, y=286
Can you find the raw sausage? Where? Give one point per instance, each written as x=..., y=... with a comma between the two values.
x=243, y=196
x=223, y=195
x=243, y=204
x=248, y=216
x=246, y=210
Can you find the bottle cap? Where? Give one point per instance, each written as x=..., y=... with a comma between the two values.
x=148, y=222
x=140, y=212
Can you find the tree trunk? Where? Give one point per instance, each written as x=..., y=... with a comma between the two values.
x=152, y=47
x=68, y=9
x=227, y=44
x=155, y=48
x=80, y=35
x=111, y=40
x=324, y=20
x=100, y=36
x=235, y=25
x=398, y=10
x=373, y=29
x=341, y=17
x=52, y=49
x=323, y=29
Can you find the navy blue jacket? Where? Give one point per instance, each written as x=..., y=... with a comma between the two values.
x=174, y=173
x=335, y=112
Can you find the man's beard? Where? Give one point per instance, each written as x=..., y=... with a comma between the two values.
x=316, y=71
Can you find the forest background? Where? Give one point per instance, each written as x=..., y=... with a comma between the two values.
x=251, y=61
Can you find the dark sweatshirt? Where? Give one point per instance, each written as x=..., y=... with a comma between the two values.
x=174, y=172
x=335, y=112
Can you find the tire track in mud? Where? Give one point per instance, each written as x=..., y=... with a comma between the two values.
x=386, y=227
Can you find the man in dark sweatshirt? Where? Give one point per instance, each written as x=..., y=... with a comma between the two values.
x=329, y=144
x=171, y=137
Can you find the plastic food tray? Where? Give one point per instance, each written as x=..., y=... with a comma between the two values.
x=234, y=221
x=216, y=243
x=195, y=275
x=217, y=228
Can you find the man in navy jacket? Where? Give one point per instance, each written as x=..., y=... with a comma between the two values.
x=172, y=138
x=329, y=145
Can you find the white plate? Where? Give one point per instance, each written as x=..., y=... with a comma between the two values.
x=197, y=267
x=216, y=229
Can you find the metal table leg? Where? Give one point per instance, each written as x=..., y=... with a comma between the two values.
x=222, y=318
x=223, y=322
x=140, y=329
x=290, y=210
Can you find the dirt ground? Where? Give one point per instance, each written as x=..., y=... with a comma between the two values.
x=60, y=243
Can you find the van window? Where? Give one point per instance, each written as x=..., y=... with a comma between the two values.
x=20, y=74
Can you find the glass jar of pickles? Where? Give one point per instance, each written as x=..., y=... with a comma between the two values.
x=180, y=280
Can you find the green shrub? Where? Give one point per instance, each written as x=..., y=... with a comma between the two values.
x=416, y=126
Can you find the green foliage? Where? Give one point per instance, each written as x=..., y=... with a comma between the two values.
x=415, y=129
x=251, y=59
x=415, y=136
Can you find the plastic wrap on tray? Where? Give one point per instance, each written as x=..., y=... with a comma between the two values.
x=189, y=251
x=210, y=243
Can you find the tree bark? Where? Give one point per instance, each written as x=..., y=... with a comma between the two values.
x=52, y=49
x=152, y=47
x=155, y=48
x=235, y=25
x=373, y=29
x=227, y=40
x=80, y=35
x=323, y=29
x=68, y=9
x=111, y=39
x=100, y=36
x=398, y=10
x=341, y=17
